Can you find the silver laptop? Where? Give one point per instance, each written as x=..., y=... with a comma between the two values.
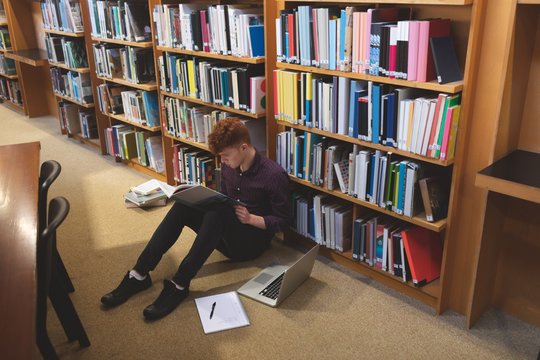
x=276, y=282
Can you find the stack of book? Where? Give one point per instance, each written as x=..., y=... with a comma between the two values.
x=151, y=193
x=10, y=90
x=72, y=84
x=130, y=63
x=63, y=15
x=62, y=50
x=7, y=66
x=5, y=40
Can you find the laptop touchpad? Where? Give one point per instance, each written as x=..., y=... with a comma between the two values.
x=263, y=278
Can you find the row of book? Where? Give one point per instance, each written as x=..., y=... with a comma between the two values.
x=72, y=84
x=237, y=86
x=7, y=66
x=5, y=40
x=405, y=118
x=137, y=105
x=10, y=90
x=130, y=63
x=68, y=51
x=403, y=250
x=236, y=30
x=375, y=41
x=75, y=120
x=121, y=20
x=125, y=142
x=383, y=179
x=193, y=166
x=62, y=15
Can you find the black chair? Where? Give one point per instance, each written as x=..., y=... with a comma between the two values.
x=49, y=171
x=49, y=285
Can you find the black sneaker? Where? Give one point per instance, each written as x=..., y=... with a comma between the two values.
x=166, y=302
x=127, y=288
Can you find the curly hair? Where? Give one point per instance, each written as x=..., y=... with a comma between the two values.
x=228, y=132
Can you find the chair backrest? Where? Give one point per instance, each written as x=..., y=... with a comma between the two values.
x=58, y=211
x=49, y=171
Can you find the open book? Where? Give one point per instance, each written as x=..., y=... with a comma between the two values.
x=153, y=186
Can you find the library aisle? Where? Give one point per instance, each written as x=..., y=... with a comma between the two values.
x=335, y=314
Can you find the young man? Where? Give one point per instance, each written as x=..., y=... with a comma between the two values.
x=240, y=233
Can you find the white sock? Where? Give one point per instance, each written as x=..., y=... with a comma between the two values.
x=177, y=286
x=136, y=275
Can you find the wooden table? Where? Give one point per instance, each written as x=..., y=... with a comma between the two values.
x=19, y=178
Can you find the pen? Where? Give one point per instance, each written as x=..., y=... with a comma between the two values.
x=212, y=311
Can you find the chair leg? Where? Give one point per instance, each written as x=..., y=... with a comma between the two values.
x=67, y=314
x=62, y=272
x=45, y=346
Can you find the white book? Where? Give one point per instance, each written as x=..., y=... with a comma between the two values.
x=344, y=85
x=427, y=130
x=221, y=312
x=424, y=113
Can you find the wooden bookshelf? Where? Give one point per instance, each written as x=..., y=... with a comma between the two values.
x=134, y=163
x=247, y=60
x=367, y=144
x=146, y=87
x=64, y=33
x=142, y=44
x=451, y=88
x=466, y=15
x=506, y=192
x=215, y=106
x=14, y=106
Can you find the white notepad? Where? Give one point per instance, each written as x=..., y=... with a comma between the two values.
x=228, y=312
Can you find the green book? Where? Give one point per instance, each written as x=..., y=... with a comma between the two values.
x=450, y=101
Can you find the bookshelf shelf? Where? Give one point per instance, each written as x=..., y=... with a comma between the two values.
x=92, y=142
x=428, y=294
x=88, y=106
x=63, y=66
x=220, y=107
x=366, y=144
x=12, y=77
x=123, y=118
x=516, y=175
x=529, y=2
x=14, y=106
x=142, y=44
x=202, y=146
x=32, y=57
x=3, y=23
x=146, y=87
x=450, y=88
x=134, y=163
x=258, y=60
x=419, y=219
x=64, y=33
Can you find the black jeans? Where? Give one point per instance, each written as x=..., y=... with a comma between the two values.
x=217, y=228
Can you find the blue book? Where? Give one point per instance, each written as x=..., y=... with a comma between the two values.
x=256, y=36
x=224, y=87
x=299, y=156
x=343, y=26
x=332, y=44
x=375, y=113
x=391, y=121
x=371, y=177
x=171, y=59
x=311, y=223
x=401, y=185
x=151, y=107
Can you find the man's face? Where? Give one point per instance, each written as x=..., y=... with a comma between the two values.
x=233, y=156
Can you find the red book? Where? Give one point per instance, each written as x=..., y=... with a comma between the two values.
x=392, y=52
x=292, y=31
x=315, y=37
x=424, y=252
x=204, y=30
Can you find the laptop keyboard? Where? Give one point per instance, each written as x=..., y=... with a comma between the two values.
x=272, y=290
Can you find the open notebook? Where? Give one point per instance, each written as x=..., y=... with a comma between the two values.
x=221, y=312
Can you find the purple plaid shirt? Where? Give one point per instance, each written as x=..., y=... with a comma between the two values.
x=264, y=188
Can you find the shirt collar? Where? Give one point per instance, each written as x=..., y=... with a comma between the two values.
x=254, y=165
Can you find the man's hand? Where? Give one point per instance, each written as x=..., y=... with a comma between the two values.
x=242, y=214
x=245, y=217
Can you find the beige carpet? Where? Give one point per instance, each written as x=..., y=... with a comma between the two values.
x=337, y=314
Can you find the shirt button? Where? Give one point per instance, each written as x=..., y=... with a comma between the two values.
x=238, y=189
x=240, y=174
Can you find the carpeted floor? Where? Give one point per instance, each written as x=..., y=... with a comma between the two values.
x=337, y=314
